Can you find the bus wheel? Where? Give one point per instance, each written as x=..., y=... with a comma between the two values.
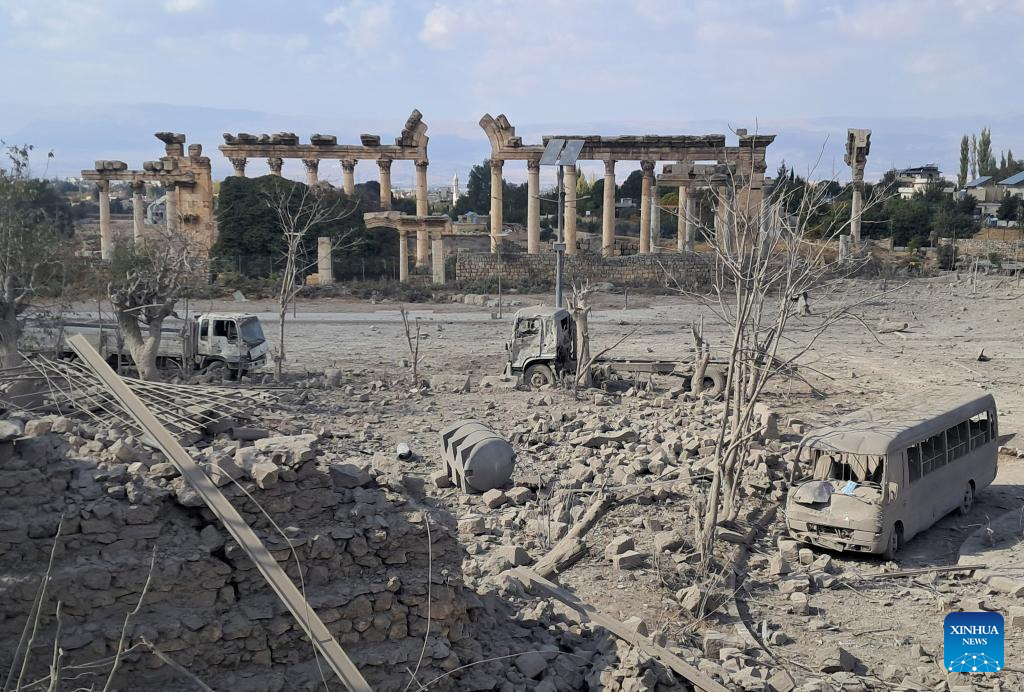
x=895, y=541
x=967, y=501
x=538, y=375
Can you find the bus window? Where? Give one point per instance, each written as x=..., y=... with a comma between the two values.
x=958, y=441
x=980, y=430
x=933, y=453
x=914, y=462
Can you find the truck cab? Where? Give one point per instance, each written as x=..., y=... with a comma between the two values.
x=542, y=346
x=234, y=339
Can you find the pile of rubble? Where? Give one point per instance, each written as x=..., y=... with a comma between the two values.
x=362, y=547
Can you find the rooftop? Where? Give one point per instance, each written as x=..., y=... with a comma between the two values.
x=1013, y=180
x=979, y=181
x=896, y=425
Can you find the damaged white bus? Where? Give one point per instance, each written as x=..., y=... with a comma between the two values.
x=884, y=474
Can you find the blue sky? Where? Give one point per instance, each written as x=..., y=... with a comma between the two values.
x=796, y=67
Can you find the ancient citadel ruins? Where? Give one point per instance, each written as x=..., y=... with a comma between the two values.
x=447, y=497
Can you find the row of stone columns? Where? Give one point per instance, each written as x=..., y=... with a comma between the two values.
x=426, y=243
x=348, y=178
x=138, y=188
x=649, y=209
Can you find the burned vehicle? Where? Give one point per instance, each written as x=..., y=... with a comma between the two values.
x=883, y=474
x=542, y=350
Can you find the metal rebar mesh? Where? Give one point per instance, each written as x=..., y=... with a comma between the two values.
x=45, y=386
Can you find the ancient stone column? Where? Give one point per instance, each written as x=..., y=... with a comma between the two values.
x=422, y=247
x=385, y=183
x=348, y=176
x=422, y=204
x=312, y=170
x=655, y=216
x=691, y=220
x=496, y=201
x=645, y=206
x=106, y=235
x=858, y=146
x=681, y=220
x=437, y=257
x=137, y=189
x=238, y=163
x=275, y=163
x=324, y=261
x=608, y=211
x=171, y=207
x=570, y=209
x=403, y=256
x=722, y=213
x=533, y=207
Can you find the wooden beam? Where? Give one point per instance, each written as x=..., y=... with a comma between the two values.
x=243, y=534
x=587, y=613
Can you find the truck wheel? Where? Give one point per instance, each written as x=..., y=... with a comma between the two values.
x=538, y=375
x=714, y=383
x=217, y=370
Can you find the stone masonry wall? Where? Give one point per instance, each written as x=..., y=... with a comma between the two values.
x=983, y=247
x=690, y=270
x=361, y=540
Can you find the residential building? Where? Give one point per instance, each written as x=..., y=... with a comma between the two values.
x=910, y=181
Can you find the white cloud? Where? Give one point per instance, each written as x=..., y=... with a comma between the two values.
x=176, y=6
x=439, y=27
x=364, y=22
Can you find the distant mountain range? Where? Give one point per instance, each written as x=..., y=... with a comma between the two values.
x=78, y=135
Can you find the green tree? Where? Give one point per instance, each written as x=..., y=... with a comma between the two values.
x=1008, y=208
x=630, y=187
x=30, y=245
x=974, y=157
x=964, y=162
x=986, y=159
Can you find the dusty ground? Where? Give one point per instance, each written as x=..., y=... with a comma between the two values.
x=949, y=323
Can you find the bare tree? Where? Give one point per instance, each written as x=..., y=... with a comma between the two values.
x=301, y=211
x=146, y=283
x=701, y=357
x=580, y=309
x=30, y=247
x=412, y=338
x=767, y=258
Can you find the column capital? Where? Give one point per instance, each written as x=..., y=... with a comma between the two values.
x=421, y=164
x=138, y=187
x=311, y=164
x=384, y=164
x=348, y=164
x=647, y=167
x=609, y=167
x=496, y=165
x=533, y=164
x=103, y=185
x=238, y=162
x=275, y=163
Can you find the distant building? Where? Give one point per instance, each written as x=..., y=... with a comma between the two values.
x=625, y=203
x=1013, y=186
x=456, y=192
x=911, y=181
x=986, y=192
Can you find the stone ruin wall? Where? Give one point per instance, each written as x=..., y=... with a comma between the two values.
x=686, y=269
x=362, y=545
x=983, y=247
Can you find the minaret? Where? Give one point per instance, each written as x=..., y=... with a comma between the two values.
x=455, y=189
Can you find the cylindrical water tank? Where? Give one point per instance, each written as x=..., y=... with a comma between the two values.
x=477, y=457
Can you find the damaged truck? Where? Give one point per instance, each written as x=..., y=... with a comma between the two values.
x=542, y=350
x=883, y=474
x=226, y=344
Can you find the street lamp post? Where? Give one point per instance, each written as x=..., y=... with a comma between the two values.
x=561, y=153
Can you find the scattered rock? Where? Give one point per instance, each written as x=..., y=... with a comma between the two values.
x=494, y=498
x=837, y=659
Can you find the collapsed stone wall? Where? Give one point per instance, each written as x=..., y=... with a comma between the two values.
x=360, y=537
x=690, y=270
